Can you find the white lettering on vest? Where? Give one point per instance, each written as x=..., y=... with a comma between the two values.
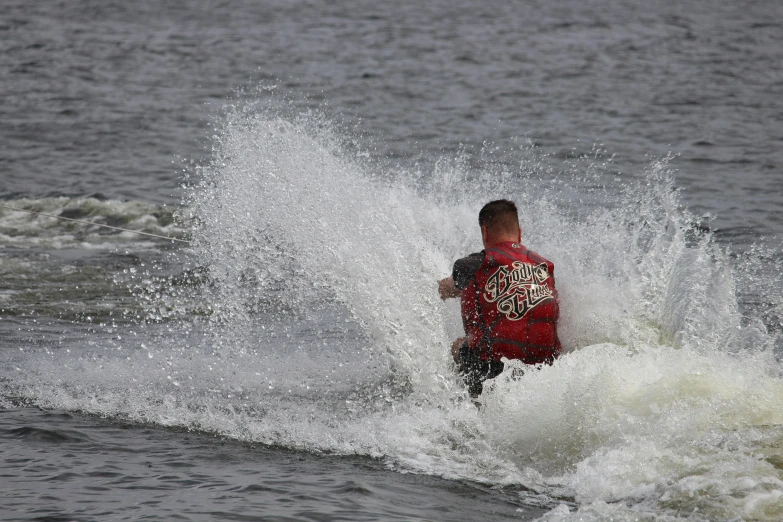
x=518, y=290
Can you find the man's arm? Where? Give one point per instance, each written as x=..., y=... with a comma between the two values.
x=447, y=288
x=463, y=272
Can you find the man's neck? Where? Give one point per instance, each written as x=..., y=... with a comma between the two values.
x=491, y=238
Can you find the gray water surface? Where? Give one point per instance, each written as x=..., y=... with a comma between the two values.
x=95, y=469
x=109, y=105
x=107, y=98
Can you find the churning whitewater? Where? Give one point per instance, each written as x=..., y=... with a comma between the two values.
x=305, y=315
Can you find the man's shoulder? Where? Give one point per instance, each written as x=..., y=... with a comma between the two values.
x=538, y=258
x=465, y=269
x=472, y=257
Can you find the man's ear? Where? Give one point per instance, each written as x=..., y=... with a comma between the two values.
x=484, y=234
x=519, y=236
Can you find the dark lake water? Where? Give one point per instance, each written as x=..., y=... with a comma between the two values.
x=326, y=162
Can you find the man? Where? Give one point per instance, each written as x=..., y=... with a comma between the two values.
x=509, y=301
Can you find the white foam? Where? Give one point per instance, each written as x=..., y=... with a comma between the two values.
x=24, y=229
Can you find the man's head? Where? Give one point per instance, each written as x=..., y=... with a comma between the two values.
x=499, y=222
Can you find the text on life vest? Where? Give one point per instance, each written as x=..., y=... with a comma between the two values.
x=518, y=289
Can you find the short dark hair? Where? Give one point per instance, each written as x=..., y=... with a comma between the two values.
x=500, y=214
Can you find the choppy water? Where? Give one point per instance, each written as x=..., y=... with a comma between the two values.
x=327, y=163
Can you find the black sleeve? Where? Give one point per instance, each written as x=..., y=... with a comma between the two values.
x=465, y=269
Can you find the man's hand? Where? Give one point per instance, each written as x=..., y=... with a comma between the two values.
x=447, y=288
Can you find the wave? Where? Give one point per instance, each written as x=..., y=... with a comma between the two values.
x=23, y=229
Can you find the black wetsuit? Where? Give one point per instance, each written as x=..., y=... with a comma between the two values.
x=473, y=369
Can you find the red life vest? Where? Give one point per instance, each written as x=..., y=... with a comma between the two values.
x=510, y=309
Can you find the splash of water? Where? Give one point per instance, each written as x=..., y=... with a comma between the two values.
x=322, y=329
